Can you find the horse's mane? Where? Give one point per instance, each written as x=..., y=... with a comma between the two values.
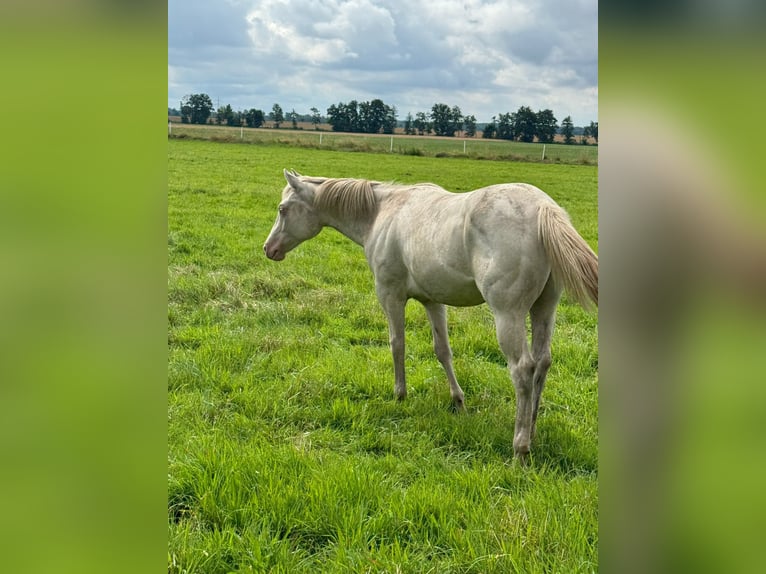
x=346, y=197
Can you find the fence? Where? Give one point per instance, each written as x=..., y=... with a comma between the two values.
x=477, y=148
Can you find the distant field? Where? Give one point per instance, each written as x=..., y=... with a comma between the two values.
x=474, y=148
x=286, y=450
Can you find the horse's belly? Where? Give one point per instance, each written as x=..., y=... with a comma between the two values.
x=455, y=291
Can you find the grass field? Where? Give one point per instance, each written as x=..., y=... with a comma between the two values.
x=287, y=452
x=473, y=148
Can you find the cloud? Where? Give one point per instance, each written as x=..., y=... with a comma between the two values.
x=487, y=57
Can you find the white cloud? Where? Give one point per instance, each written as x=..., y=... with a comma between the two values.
x=487, y=57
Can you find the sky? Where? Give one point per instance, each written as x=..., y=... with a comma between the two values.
x=486, y=57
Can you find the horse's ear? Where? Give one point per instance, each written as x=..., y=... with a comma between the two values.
x=293, y=179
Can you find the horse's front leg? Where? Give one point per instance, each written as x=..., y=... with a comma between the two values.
x=393, y=305
x=437, y=314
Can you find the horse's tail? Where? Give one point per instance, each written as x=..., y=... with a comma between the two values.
x=574, y=264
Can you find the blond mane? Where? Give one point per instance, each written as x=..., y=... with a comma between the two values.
x=346, y=197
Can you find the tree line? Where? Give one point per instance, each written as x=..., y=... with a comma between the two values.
x=376, y=116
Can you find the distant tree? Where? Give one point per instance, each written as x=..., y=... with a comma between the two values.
x=196, y=108
x=334, y=117
x=525, y=124
x=567, y=130
x=421, y=123
x=389, y=120
x=277, y=115
x=505, y=127
x=354, y=117
x=316, y=119
x=445, y=120
x=591, y=131
x=372, y=116
x=490, y=130
x=228, y=115
x=344, y=117
x=408, y=127
x=254, y=118
x=294, y=119
x=547, y=126
x=470, y=126
x=362, y=117
x=457, y=120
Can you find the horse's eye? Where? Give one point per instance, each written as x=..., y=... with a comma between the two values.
x=282, y=209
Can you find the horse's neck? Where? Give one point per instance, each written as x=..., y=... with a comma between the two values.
x=357, y=231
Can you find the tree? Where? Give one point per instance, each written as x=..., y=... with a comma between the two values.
x=456, y=120
x=490, y=130
x=408, y=127
x=294, y=119
x=504, y=129
x=343, y=117
x=196, y=108
x=446, y=120
x=362, y=117
x=389, y=121
x=591, y=131
x=372, y=116
x=254, y=118
x=470, y=126
x=228, y=115
x=547, y=125
x=421, y=123
x=277, y=115
x=525, y=124
x=567, y=130
x=334, y=117
x=316, y=119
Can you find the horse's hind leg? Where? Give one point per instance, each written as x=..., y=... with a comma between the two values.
x=512, y=336
x=543, y=317
x=437, y=315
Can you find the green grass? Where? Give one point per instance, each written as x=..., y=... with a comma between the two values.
x=287, y=451
x=472, y=148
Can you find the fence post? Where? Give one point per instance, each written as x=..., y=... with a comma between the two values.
x=170, y=128
x=391, y=149
x=543, y=151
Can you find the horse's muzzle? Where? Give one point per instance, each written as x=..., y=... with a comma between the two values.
x=273, y=252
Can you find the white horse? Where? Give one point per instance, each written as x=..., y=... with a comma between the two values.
x=509, y=245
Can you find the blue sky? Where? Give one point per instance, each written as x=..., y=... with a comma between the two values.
x=487, y=57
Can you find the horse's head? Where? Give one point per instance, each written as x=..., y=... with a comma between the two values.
x=297, y=219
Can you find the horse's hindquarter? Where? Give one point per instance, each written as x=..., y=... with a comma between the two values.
x=502, y=238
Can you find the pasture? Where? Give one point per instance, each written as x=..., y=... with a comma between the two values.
x=430, y=146
x=287, y=451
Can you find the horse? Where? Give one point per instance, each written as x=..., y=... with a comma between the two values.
x=507, y=245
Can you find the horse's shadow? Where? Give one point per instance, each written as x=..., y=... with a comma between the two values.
x=487, y=433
